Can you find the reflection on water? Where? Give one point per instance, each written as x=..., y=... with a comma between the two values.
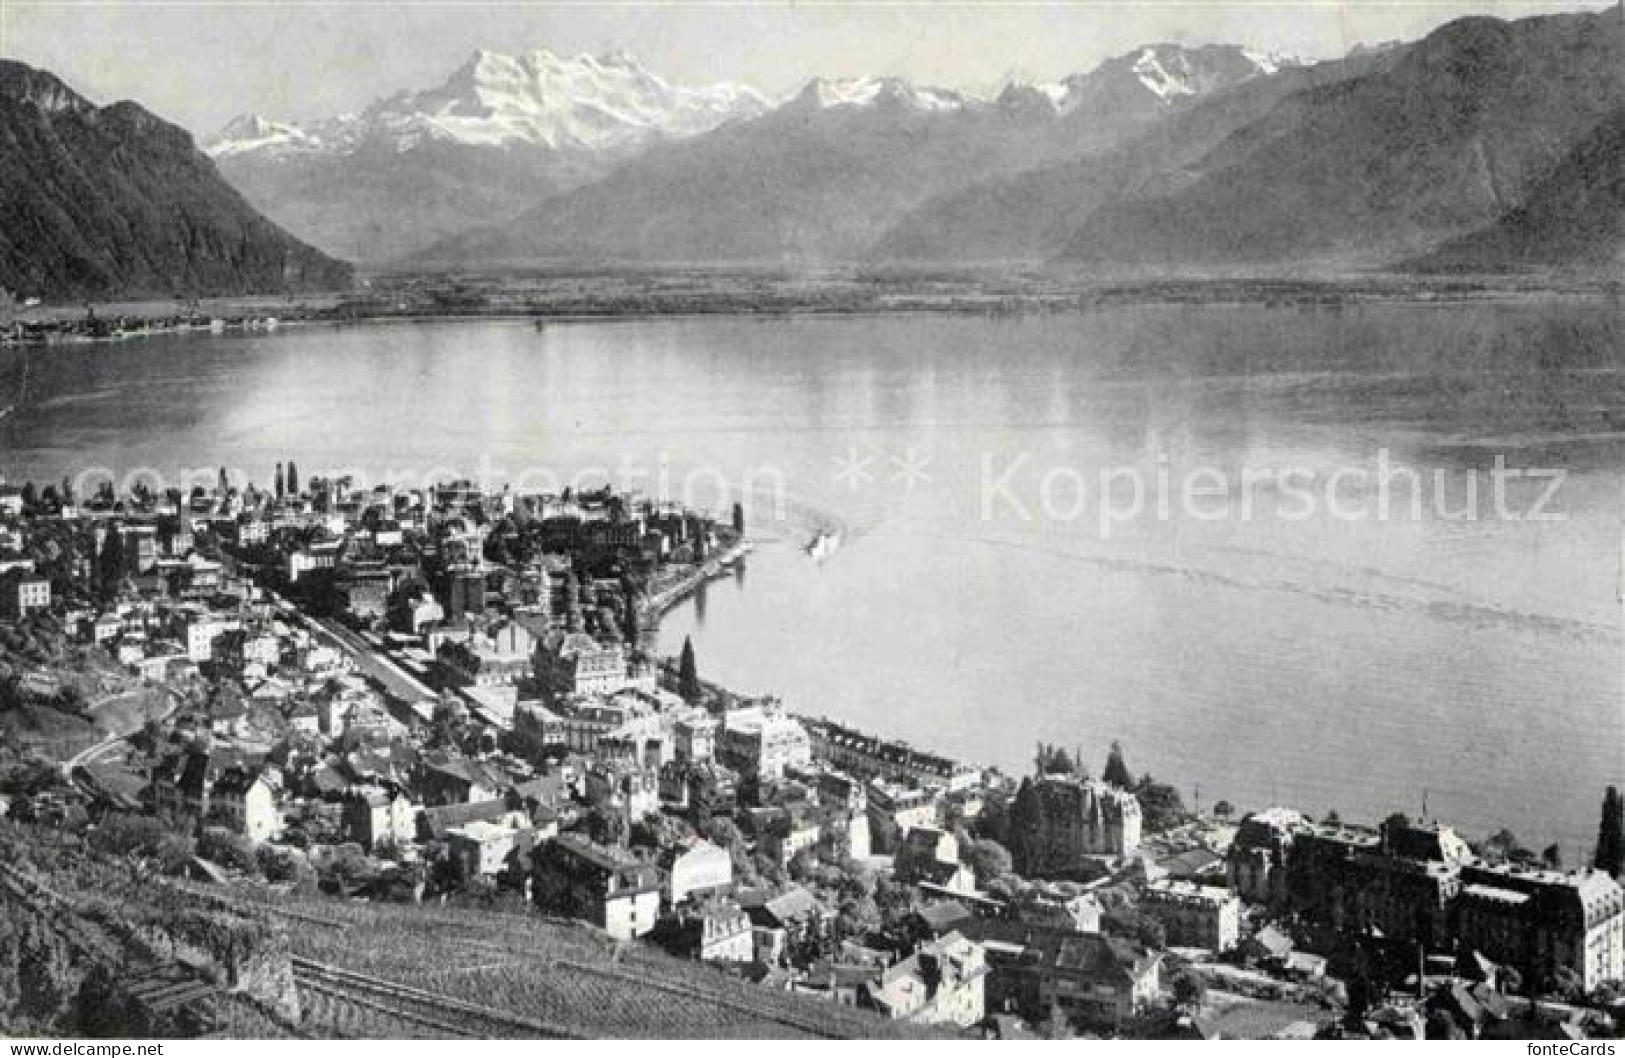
x=1326, y=662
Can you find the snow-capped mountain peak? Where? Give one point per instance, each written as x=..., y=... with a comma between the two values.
x=825, y=93
x=250, y=132
x=535, y=99
x=1162, y=74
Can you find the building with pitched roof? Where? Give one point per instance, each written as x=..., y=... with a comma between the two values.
x=605, y=886
x=943, y=983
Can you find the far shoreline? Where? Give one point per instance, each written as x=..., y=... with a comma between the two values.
x=616, y=295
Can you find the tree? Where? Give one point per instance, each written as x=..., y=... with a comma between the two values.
x=1552, y=856
x=1135, y=925
x=146, y=837
x=989, y=860
x=110, y=563
x=1161, y=806
x=1504, y=846
x=1611, y=834
x=739, y=519
x=1117, y=773
x=1567, y=985
x=281, y=482
x=629, y=617
x=1392, y=827
x=280, y=864
x=1223, y=810
x=858, y=917
x=688, y=675
x=1053, y=760
x=225, y=482
x=1189, y=990
x=228, y=849
x=45, y=972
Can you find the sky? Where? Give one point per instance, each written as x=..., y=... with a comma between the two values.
x=202, y=63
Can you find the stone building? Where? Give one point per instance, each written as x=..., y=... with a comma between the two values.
x=1257, y=859
x=1057, y=821
x=1397, y=881
x=1194, y=916
x=761, y=740
x=1543, y=921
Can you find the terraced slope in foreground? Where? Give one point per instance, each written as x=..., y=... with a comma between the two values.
x=361, y=970
x=359, y=966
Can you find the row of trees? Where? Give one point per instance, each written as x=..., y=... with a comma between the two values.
x=1053, y=760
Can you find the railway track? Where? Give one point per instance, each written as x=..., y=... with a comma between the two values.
x=442, y=1013
x=448, y=1015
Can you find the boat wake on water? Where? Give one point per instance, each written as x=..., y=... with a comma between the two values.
x=1451, y=610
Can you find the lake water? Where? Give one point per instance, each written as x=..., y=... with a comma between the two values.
x=1302, y=651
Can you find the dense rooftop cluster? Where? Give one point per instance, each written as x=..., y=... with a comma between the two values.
x=414, y=695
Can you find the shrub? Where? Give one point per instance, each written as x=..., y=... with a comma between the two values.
x=280, y=864
x=228, y=849
x=144, y=836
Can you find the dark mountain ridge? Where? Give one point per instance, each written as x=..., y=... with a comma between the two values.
x=1575, y=218
x=1459, y=130
x=114, y=201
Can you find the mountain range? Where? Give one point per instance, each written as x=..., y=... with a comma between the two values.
x=724, y=173
x=1162, y=158
x=113, y=200
x=1459, y=129
x=498, y=135
x=1488, y=145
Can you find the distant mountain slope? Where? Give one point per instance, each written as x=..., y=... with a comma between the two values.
x=1455, y=133
x=819, y=177
x=373, y=203
x=498, y=135
x=1575, y=217
x=101, y=201
x=1031, y=215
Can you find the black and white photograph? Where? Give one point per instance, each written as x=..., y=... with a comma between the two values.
x=822, y=520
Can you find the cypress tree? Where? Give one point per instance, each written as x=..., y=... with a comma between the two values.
x=688, y=676
x=110, y=563
x=293, y=479
x=1611, y=834
x=279, y=481
x=630, y=616
x=1117, y=773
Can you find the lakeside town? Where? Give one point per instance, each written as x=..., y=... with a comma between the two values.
x=289, y=724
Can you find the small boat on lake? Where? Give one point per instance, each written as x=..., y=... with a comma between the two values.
x=823, y=546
